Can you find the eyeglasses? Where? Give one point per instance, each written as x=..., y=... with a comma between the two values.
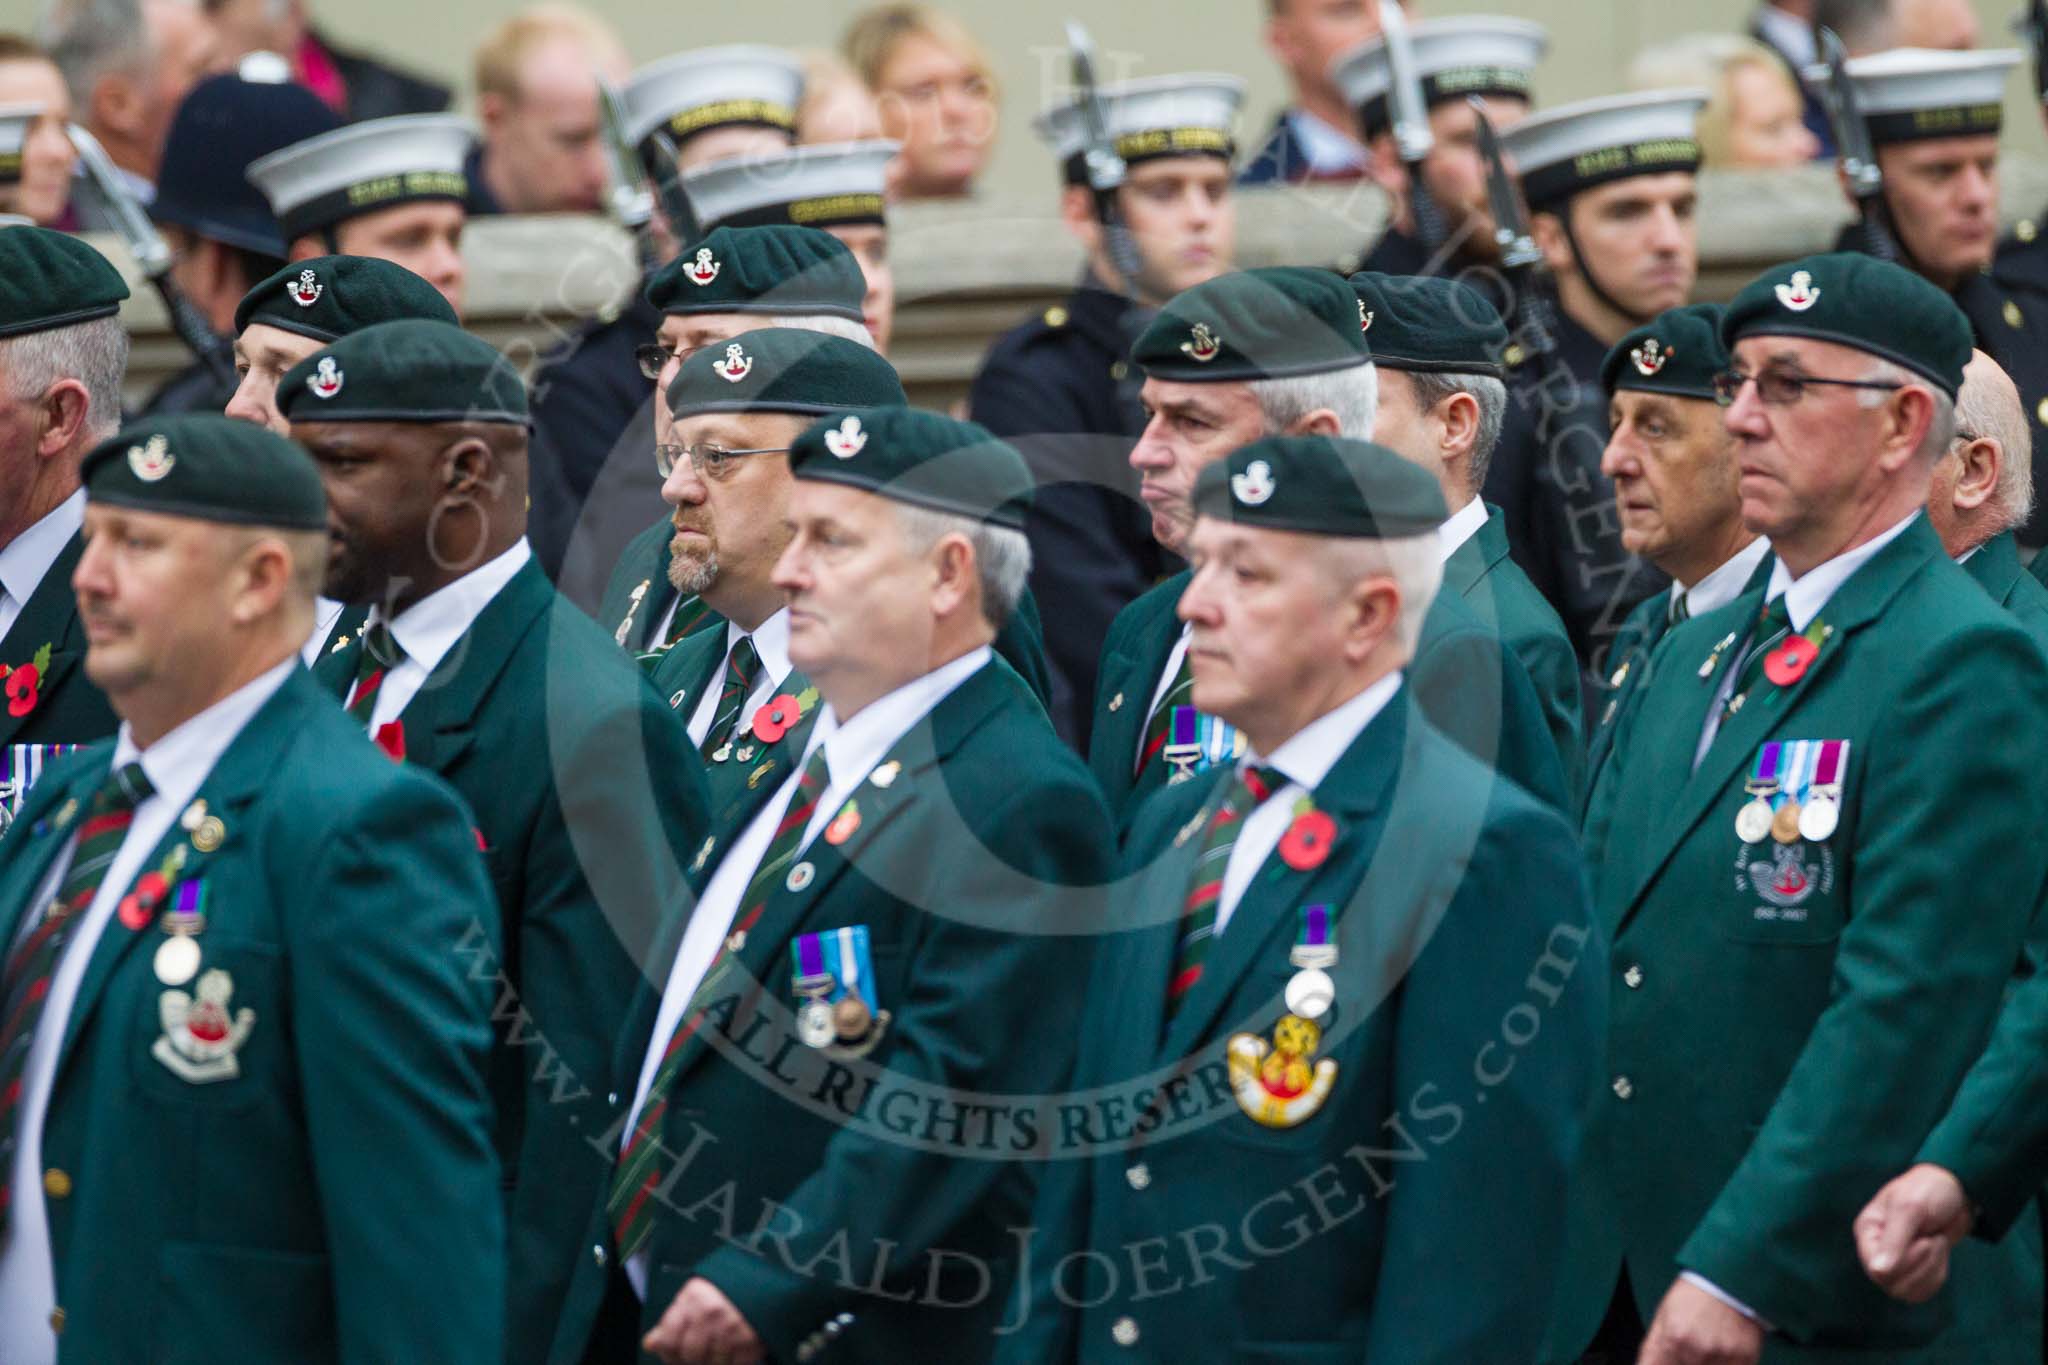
x=654, y=358
x=710, y=462
x=1780, y=388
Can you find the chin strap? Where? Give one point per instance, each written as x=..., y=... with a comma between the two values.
x=1585, y=266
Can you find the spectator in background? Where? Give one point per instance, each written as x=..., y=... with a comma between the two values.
x=1316, y=138
x=1753, y=119
x=1786, y=28
x=836, y=106
x=543, y=149
x=39, y=185
x=128, y=64
x=355, y=86
x=1867, y=26
x=934, y=91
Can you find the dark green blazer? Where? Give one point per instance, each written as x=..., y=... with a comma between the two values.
x=1415, y=1216
x=1769, y=1071
x=737, y=785
x=642, y=569
x=963, y=868
x=1996, y=567
x=1470, y=687
x=588, y=801
x=1630, y=654
x=1502, y=596
x=335, y=1200
x=68, y=708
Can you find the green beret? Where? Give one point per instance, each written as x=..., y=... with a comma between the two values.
x=1857, y=300
x=1324, y=486
x=328, y=297
x=203, y=465
x=1255, y=324
x=1677, y=352
x=413, y=371
x=776, y=269
x=784, y=369
x=1423, y=322
x=918, y=457
x=50, y=279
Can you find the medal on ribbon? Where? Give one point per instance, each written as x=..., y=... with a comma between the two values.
x=1823, y=810
x=1195, y=743
x=1310, y=991
x=1753, y=821
x=20, y=766
x=833, y=977
x=177, y=957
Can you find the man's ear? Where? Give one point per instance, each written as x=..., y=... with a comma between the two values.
x=1077, y=213
x=1977, y=467
x=956, y=577
x=64, y=408
x=1548, y=230
x=469, y=466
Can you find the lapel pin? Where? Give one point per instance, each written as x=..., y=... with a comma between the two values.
x=800, y=876
x=703, y=853
x=1116, y=703
x=886, y=774
x=193, y=814
x=209, y=835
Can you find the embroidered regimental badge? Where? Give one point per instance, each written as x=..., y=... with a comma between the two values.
x=1253, y=486
x=1650, y=357
x=1202, y=344
x=703, y=270
x=306, y=290
x=201, y=1036
x=325, y=381
x=152, y=459
x=735, y=366
x=847, y=439
x=1801, y=294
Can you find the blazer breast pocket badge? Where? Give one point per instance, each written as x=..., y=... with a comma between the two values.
x=201, y=1034
x=838, y=1010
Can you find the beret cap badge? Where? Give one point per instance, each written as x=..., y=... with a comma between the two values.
x=306, y=291
x=1253, y=486
x=1650, y=357
x=703, y=270
x=152, y=459
x=1801, y=294
x=846, y=440
x=325, y=381
x=1202, y=344
x=736, y=365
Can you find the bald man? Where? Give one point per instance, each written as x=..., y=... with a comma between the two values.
x=1983, y=488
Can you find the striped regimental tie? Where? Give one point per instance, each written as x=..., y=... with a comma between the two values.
x=1205, y=892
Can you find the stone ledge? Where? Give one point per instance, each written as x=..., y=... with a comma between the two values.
x=967, y=272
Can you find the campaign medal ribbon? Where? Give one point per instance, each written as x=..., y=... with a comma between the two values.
x=835, y=977
x=1183, y=749
x=20, y=766
x=1753, y=821
x=1310, y=992
x=1823, y=807
x=813, y=986
x=1798, y=769
x=177, y=957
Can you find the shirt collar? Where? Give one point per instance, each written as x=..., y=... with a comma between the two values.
x=1326, y=149
x=1725, y=584
x=179, y=762
x=429, y=628
x=1806, y=595
x=1964, y=557
x=27, y=559
x=1307, y=756
x=1460, y=526
x=856, y=746
x=771, y=643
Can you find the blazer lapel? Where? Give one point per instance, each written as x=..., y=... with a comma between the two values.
x=234, y=783
x=1854, y=605
x=49, y=617
x=1351, y=794
x=37, y=845
x=1996, y=566
x=1483, y=549
x=438, y=721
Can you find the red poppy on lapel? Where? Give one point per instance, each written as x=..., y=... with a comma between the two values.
x=1307, y=841
x=1788, y=663
x=24, y=686
x=391, y=739
x=772, y=721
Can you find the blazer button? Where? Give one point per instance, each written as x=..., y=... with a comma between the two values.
x=612, y=1098
x=597, y=1255
x=56, y=1184
x=56, y=1319
x=1633, y=977
x=1139, y=1175
x=1623, y=1087
x=1124, y=1332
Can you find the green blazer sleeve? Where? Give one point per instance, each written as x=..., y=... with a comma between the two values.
x=1915, y=985
x=391, y=1028
x=1474, y=688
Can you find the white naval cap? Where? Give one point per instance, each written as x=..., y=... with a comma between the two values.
x=1158, y=116
x=744, y=85
x=1478, y=54
x=1574, y=147
x=825, y=184
x=14, y=125
x=1909, y=93
x=325, y=180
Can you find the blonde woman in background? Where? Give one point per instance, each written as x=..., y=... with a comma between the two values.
x=36, y=161
x=1753, y=121
x=934, y=91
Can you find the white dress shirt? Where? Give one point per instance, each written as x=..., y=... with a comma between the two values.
x=1726, y=583
x=177, y=766
x=430, y=627
x=771, y=642
x=1328, y=150
x=326, y=611
x=1460, y=526
x=26, y=561
x=1306, y=759
x=852, y=750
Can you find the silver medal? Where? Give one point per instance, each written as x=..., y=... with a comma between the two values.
x=177, y=959
x=1753, y=822
x=814, y=1024
x=1819, y=819
x=1310, y=993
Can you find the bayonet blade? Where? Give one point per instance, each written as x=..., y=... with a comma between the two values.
x=1412, y=137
